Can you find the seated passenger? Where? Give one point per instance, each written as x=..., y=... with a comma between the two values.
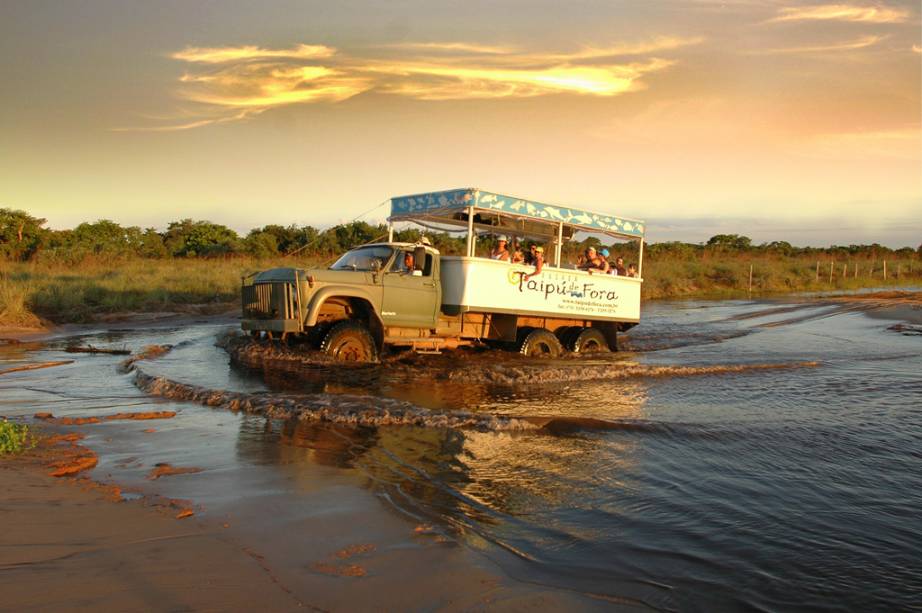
x=500, y=252
x=593, y=263
x=517, y=257
x=538, y=262
x=618, y=268
x=631, y=270
x=529, y=257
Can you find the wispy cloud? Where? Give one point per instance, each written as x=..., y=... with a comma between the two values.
x=841, y=12
x=917, y=48
x=851, y=45
x=220, y=55
x=233, y=83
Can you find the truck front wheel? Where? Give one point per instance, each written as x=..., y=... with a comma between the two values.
x=349, y=341
x=539, y=343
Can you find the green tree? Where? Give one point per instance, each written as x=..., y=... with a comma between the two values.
x=730, y=242
x=21, y=234
x=188, y=238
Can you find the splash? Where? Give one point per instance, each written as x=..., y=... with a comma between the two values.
x=489, y=368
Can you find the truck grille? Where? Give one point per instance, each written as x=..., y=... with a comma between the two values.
x=269, y=301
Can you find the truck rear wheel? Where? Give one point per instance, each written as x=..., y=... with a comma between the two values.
x=539, y=343
x=349, y=341
x=589, y=340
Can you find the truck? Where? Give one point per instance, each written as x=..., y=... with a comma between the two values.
x=392, y=294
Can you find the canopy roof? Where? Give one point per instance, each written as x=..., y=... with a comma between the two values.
x=445, y=206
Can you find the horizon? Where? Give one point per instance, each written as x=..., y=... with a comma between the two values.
x=698, y=229
x=794, y=120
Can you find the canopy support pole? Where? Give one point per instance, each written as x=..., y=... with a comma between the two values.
x=559, y=249
x=640, y=261
x=390, y=232
x=470, y=231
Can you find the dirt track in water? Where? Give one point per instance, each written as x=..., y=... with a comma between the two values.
x=493, y=368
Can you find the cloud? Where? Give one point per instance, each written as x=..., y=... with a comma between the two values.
x=452, y=47
x=860, y=43
x=219, y=55
x=917, y=48
x=234, y=83
x=841, y=12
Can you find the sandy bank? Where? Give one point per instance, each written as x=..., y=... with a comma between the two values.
x=67, y=546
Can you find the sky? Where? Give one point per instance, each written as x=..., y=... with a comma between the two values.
x=777, y=119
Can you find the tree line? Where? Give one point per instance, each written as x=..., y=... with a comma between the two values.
x=24, y=237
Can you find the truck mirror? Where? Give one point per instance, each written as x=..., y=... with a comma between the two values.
x=419, y=258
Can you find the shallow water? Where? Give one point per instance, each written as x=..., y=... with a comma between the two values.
x=749, y=489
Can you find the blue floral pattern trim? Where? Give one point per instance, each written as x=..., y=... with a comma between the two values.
x=408, y=206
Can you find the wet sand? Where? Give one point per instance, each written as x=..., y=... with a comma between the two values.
x=67, y=546
x=77, y=544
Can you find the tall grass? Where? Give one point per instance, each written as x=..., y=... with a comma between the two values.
x=61, y=293
x=727, y=275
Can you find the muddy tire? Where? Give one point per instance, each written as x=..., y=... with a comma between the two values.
x=539, y=343
x=589, y=340
x=349, y=341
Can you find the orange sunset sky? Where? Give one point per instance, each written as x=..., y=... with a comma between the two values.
x=781, y=120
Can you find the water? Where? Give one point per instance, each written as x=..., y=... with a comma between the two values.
x=798, y=488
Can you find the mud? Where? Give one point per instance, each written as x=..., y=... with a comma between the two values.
x=80, y=421
x=148, y=353
x=164, y=469
x=355, y=410
x=466, y=367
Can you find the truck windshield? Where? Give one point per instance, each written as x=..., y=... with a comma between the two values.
x=363, y=258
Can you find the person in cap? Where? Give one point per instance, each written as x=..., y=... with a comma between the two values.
x=501, y=251
x=538, y=261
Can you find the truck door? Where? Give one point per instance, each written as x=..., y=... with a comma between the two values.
x=411, y=296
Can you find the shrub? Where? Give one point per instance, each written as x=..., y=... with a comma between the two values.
x=15, y=438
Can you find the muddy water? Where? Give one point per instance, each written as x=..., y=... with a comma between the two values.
x=692, y=478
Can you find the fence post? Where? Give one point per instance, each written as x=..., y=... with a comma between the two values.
x=885, y=270
x=856, y=270
x=817, y=271
x=750, y=278
x=831, y=265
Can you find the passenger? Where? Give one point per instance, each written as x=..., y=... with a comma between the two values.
x=500, y=252
x=538, y=262
x=529, y=258
x=517, y=256
x=619, y=267
x=631, y=270
x=593, y=263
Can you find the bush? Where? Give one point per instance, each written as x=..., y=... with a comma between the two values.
x=15, y=438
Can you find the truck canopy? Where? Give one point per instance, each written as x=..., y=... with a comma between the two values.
x=507, y=213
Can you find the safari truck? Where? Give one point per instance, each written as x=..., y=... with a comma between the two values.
x=408, y=295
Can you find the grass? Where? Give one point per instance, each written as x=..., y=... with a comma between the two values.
x=727, y=275
x=58, y=293
x=15, y=438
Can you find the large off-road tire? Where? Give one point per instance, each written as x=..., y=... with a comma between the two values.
x=349, y=341
x=588, y=340
x=539, y=343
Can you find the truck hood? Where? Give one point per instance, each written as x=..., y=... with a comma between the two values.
x=320, y=275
